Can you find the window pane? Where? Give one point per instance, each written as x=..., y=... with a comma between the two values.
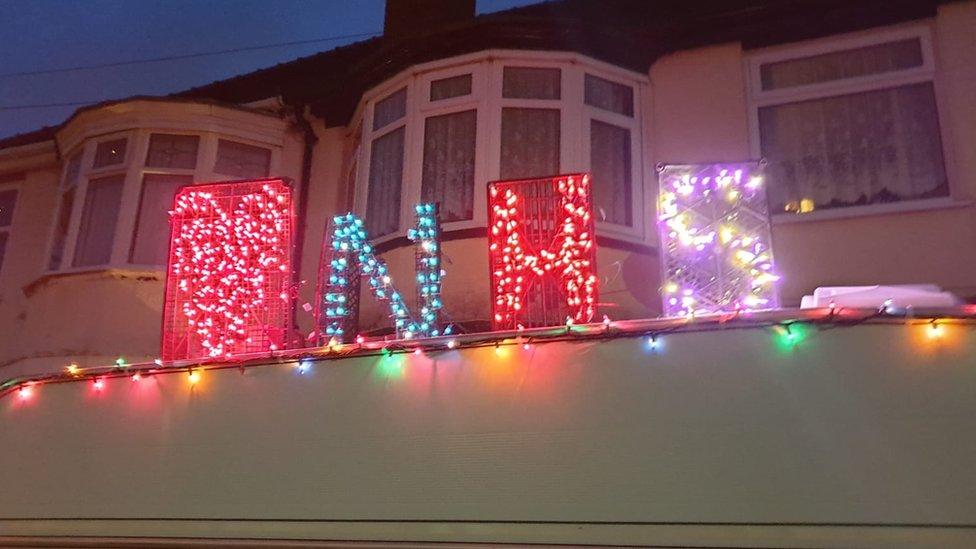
x=447, y=88
x=98, y=221
x=242, y=160
x=530, y=83
x=71, y=171
x=151, y=241
x=530, y=143
x=172, y=151
x=865, y=148
x=611, y=172
x=609, y=96
x=877, y=59
x=61, y=230
x=390, y=110
x=8, y=200
x=4, y=235
x=448, y=177
x=385, y=180
x=109, y=153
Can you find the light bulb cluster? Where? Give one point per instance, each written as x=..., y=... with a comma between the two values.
x=792, y=329
x=351, y=256
x=229, y=270
x=546, y=245
x=714, y=230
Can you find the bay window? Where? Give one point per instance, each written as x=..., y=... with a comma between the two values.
x=849, y=124
x=116, y=193
x=441, y=131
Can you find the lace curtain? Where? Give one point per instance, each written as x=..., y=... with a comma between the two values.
x=864, y=148
x=530, y=143
x=611, y=172
x=385, y=182
x=448, y=172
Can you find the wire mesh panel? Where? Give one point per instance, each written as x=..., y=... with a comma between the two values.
x=542, y=255
x=714, y=228
x=228, y=282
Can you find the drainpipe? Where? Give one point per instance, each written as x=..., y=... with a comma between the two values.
x=309, y=140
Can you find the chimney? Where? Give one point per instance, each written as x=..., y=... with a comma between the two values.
x=406, y=17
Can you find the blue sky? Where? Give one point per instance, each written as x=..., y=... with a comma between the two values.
x=49, y=34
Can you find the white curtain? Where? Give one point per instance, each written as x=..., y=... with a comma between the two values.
x=98, y=221
x=610, y=169
x=530, y=143
x=151, y=242
x=385, y=182
x=865, y=148
x=448, y=174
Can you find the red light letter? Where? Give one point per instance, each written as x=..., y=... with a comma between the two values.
x=541, y=251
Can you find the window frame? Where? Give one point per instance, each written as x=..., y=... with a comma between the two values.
x=486, y=69
x=925, y=73
x=17, y=186
x=134, y=171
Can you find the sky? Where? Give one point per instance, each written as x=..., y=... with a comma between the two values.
x=38, y=35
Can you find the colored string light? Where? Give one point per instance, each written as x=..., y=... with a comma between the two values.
x=538, y=244
x=715, y=234
x=348, y=257
x=791, y=330
x=229, y=274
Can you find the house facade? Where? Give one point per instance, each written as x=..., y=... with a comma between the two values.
x=865, y=119
x=775, y=430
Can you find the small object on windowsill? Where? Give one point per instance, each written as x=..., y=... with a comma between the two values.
x=898, y=296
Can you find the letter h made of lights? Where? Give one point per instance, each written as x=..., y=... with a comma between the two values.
x=542, y=253
x=348, y=258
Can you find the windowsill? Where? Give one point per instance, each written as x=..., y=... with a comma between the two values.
x=103, y=272
x=873, y=209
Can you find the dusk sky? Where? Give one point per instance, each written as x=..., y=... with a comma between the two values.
x=40, y=35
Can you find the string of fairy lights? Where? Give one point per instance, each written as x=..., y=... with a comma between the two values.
x=790, y=327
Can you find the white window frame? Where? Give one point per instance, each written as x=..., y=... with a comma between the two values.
x=926, y=73
x=15, y=185
x=486, y=69
x=134, y=169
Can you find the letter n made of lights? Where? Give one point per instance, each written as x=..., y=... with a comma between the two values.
x=542, y=254
x=717, y=254
x=228, y=281
x=348, y=257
